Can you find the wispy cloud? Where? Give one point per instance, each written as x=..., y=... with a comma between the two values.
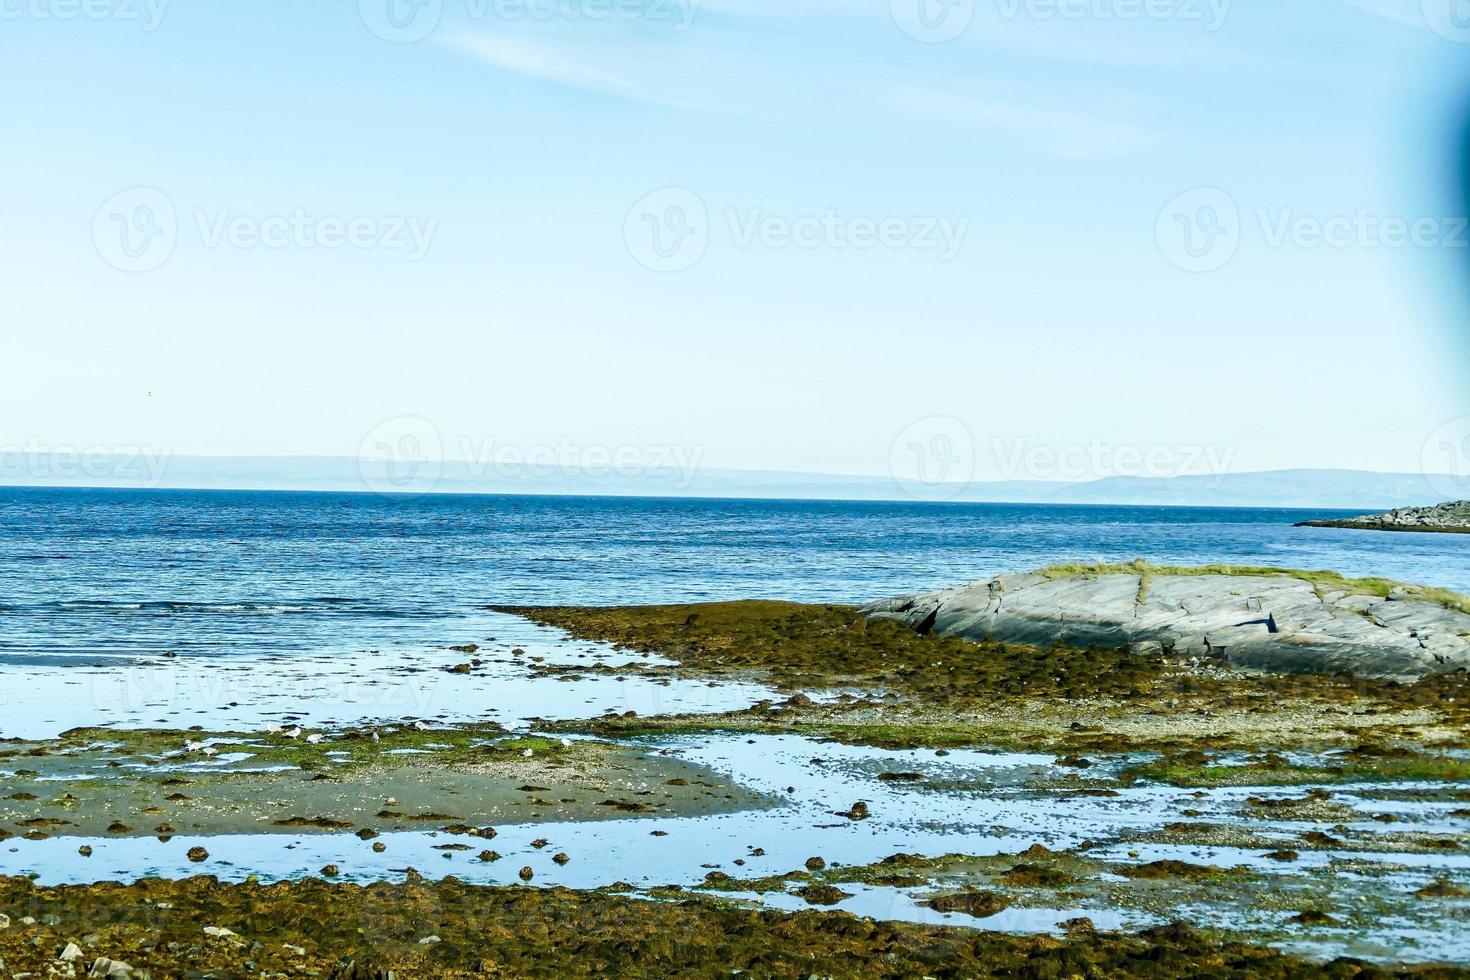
x=534, y=59
x=1038, y=120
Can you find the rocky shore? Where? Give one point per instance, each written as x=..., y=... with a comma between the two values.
x=1264, y=619
x=1451, y=518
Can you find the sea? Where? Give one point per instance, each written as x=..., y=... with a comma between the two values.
x=87, y=576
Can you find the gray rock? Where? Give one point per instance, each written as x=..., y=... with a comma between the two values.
x=1452, y=517
x=1275, y=623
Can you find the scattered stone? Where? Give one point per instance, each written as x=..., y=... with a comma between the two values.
x=561, y=858
x=979, y=904
x=815, y=864
x=1443, y=888
x=85, y=850
x=858, y=811
x=488, y=856
x=331, y=871
x=197, y=854
x=1313, y=917
x=527, y=874
x=822, y=894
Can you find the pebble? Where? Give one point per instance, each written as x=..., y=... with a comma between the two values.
x=72, y=952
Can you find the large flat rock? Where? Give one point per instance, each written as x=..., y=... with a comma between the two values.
x=1275, y=623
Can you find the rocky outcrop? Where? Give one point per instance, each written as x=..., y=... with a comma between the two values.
x=1452, y=518
x=1272, y=622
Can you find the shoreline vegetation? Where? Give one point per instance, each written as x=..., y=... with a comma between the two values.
x=419, y=929
x=1333, y=757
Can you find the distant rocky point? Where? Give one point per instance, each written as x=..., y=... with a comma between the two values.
x=1255, y=618
x=1453, y=518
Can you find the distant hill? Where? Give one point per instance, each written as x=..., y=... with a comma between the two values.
x=1306, y=489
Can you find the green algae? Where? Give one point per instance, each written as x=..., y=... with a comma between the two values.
x=808, y=646
x=345, y=931
x=1398, y=765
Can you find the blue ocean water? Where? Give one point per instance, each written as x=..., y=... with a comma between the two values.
x=91, y=575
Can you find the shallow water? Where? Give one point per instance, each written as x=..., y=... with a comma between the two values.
x=334, y=610
x=1007, y=819
x=245, y=692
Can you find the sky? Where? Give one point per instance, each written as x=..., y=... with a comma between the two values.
x=989, y=239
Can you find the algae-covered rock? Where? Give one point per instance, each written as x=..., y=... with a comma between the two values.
x=1280, y=621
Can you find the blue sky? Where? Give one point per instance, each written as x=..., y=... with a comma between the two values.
x=275, y=227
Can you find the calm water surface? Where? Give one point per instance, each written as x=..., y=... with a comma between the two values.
x=89, y=575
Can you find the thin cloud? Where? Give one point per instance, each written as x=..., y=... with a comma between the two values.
x=1046, y=127
x=534, y=60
